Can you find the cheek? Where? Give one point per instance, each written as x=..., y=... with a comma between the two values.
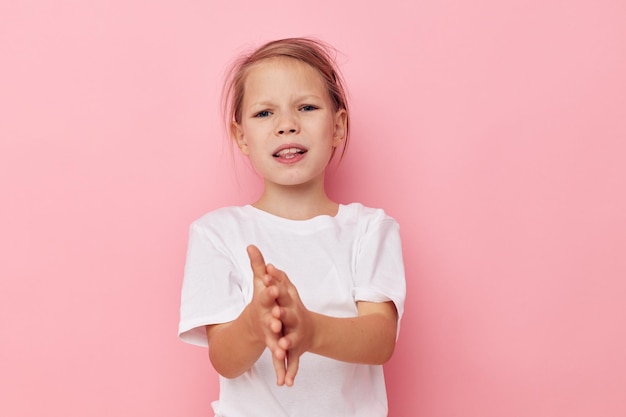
x=256, y=132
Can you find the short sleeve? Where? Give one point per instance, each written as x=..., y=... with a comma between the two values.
x=211, y=291
x=379, y=265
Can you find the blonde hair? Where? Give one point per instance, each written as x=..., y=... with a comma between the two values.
x=313, y=52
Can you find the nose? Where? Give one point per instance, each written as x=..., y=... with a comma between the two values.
x=287, y=125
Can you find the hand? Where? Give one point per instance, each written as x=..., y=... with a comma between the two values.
x=297, y=323
x=264, y=310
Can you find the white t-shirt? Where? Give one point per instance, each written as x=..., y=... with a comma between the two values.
x=333, y=262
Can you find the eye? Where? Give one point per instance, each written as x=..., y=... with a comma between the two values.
x=262, y=113
x=308, y=107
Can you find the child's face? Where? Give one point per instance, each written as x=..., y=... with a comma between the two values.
x=288, y=125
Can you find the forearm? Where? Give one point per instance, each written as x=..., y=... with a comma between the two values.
x=368, y=338
x=233, y=347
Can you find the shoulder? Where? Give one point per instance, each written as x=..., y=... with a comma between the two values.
x=365, y=216
x=220, y=217
x=221, y=225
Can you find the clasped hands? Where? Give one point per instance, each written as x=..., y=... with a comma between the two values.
x=282, y=320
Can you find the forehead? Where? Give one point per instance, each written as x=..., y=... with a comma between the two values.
x=283, y=73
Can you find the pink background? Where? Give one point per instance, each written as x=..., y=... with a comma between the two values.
x=494, y=131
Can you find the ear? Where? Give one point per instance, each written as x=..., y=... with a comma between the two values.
x=341, y=120
x=236, y=134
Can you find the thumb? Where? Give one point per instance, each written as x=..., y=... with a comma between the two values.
x=257, y=263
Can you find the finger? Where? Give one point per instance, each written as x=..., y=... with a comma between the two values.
x=293, y=363
x=279, y=357
x=287, y=295
x=278, y=361
x=291, y=321
x=257, y=263
x=276, y=326
x=288, y=318
x=276, y=274
x=277, y=312
x=271, y=341
x=267, y=296
x=280, y=369
x=276, y=277
x=285, y=343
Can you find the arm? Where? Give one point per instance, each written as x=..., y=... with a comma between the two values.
x=235, y=346
x=369, y=338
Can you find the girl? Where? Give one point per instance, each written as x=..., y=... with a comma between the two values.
x=326, y=308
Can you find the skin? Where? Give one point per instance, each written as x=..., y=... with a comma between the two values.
x=286, y=102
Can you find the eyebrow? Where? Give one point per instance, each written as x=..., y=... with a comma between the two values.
x=266, y=103
x=261, y=104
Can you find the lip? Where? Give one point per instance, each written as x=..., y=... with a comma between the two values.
x=289, y=158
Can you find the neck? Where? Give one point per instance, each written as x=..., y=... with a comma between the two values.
x=298, y=202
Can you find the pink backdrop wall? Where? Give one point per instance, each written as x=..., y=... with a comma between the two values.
x=493, y=131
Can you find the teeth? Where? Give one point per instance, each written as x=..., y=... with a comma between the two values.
x=288, y=151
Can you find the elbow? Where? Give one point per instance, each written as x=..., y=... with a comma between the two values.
x=387, y=342
x=386, y=352
x=224, y=369
x=230, y=375
x=382, y=324
x=384, y=348
x=227, y=373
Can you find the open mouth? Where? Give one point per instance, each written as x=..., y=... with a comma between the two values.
x=288, y=153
